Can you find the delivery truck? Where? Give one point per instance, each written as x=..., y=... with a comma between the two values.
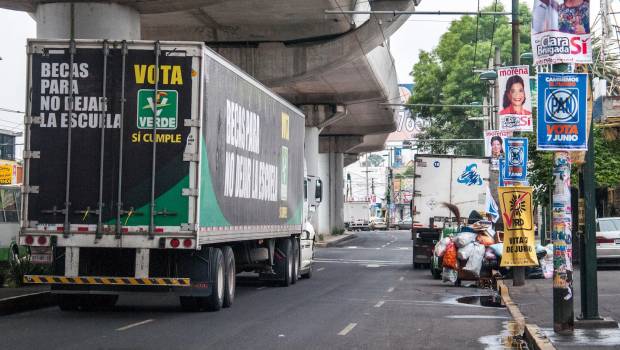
x=459, y=180
x=357, y=215
x=160, y=167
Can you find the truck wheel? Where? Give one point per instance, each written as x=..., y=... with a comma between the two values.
x=295, y=260
x=230, y=281
x=215, y=301
x=284, y=263
x=307, y=274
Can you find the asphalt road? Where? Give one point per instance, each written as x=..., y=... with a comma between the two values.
x=364, y=295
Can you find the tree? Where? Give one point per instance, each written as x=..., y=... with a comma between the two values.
x=444, y=76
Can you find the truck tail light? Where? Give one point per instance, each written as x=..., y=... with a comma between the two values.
x=29, y=240
x=42, y=240
x=187, y=243
x=174, y=243
x=601, y=239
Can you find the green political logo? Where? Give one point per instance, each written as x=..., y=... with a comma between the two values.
x=165, y=109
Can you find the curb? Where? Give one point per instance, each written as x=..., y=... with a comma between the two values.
x=533, y=335
x=333, y=242
x=26, y=302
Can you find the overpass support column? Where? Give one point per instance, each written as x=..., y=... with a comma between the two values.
x=92, y=20
x=336, y=190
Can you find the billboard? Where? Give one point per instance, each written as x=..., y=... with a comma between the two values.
x=561, y=32
x=515, y=166
x=562, y=112
x=517, y=213
x=515, y=100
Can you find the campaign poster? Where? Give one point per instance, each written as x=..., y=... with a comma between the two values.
x=515, y=112
x=561, y=32
x=516, y=205
x=515, y=164
x=562, y=112
x=494, y=145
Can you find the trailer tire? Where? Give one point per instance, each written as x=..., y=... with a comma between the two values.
x=284, y=265
x=230, y=276
x=295, y=260
x=215, y=301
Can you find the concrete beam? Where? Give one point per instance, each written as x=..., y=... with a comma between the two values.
x=322, y=116
x=338, y=144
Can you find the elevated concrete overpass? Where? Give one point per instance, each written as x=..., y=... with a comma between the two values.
x=338, y=69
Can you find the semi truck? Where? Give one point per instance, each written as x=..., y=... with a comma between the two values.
x=158, y=166
x=459, y=180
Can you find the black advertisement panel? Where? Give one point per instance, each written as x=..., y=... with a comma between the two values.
x=49, y=94
x=252, y=153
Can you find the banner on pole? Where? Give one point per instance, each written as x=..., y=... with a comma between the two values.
x=494, y=146
x=562, y=112
x=561, y=32
x=515, y=166
x=516, y=100
x=516, y=204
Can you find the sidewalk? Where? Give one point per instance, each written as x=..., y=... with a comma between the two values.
x=535, y=301
x=14, y=300
x=330, y=241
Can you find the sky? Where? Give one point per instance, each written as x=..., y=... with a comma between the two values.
x=420, y=32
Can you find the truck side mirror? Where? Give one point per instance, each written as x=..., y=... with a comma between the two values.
x=318, y=192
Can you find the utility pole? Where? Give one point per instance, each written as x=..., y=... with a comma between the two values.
x=367, y=196
x=563, y=313
x=587, y=266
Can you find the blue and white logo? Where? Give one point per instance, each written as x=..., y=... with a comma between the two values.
x=562, y=106
x=436, y=164
x=470, y=176
x=515, y=155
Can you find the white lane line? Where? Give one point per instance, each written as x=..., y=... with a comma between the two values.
x=379, y=303
x=390, y=290
x=135, y=325
x=351, y=247
x=383, y=246
x=261, y=288
x=401, y=278
x=372, y=265
x=320, y=269
x=347, y=329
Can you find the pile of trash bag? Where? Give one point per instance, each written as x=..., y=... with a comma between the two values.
x=477, y=247
x=468, y=251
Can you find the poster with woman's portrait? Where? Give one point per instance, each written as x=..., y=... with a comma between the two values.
x=494, y=146
x=515, y=109
x=561, y=32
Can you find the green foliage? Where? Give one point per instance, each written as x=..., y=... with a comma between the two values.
x=444, y=76
x=408, y=173
x=336, y=231
x=374, y=160
x=606, y=160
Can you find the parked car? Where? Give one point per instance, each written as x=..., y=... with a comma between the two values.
x=608, y=241
x=403, y=224
x=378, y=224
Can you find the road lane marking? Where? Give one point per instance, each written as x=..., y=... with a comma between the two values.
x=351, y=247
x=381, y=302
x=401, y=278
x=383, y=246
x=347, y=329
x=320, y=269
x=261, y=288
x=390, y=290
x=135, y=324
x=372, y=265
